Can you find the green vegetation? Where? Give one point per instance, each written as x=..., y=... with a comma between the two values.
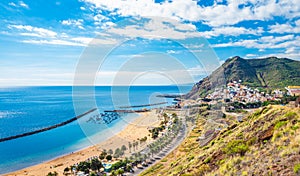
x=280, y=124
x=207, y=160
x=236, y=146
x=108, y=157
x=155, y=131
x=297, y=168
x=118, y=165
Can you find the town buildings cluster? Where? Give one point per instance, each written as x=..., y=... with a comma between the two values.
x=237, y=92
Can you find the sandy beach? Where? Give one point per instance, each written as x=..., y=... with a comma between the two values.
x=137, y=129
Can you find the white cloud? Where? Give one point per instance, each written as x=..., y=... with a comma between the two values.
x=251, y=55
x=53, y=42
x=12, y=4
x=243, y=43
x=231, y=31
x=285, y=28
x=273, y=40
x=173, y=52
x=267, y=42
x=70, y=22
x=72, y=41
x=34, y=31
x=216, y=15
x=22, y=4
x=38, y=35
x=155, y=28
x=19, y=4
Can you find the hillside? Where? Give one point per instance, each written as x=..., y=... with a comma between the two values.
x=268, y=73
x=266, y=143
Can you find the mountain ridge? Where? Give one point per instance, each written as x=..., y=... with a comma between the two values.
x=267, y=73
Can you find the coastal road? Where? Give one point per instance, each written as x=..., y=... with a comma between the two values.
x=168, y=149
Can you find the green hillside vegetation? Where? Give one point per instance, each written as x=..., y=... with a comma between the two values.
x=266, y=143
x=268, y=73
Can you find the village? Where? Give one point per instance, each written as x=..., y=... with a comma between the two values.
x=236, y=92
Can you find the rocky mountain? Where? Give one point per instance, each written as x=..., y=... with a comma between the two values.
x=266, y=73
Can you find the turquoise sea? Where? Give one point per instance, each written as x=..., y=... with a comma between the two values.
x=26, y=109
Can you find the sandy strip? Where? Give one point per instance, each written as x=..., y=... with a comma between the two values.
x=137, y=129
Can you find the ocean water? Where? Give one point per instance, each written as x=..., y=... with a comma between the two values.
x=25, y=109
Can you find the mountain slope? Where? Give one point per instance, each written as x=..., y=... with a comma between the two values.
x=270, y=73
x=266, y=143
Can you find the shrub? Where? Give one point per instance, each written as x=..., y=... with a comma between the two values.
x=236, y=146
x=207, y=160
x=101, y=157
x=280, y=124
x=251, y=141
x=297, y=168
x=295, y=127
x=108, y=157
x=290, y=115
x=164, y=160
x=118, y=165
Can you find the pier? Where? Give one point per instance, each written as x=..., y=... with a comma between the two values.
x=47, y=128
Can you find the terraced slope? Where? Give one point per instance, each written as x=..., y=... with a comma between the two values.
x=266, y=143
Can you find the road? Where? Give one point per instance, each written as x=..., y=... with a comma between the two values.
x=168, y=149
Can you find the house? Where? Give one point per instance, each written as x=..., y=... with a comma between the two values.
x=293, y=90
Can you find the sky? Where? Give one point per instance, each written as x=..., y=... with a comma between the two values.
x=138, y=42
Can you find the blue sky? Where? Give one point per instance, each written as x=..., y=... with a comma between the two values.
x=43, y=41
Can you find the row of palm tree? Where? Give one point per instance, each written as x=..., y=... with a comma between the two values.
x=133, y=145
x=163, y=141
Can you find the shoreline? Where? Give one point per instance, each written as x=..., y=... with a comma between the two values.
x=136, y=129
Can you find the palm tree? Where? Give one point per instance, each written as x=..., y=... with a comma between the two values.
x=96, y=165
x=110, y=151
x=144, y=156
x=123, y=148
x=133, y=144
x=66, y=170
x=117, y=153
x=136, y=144
x=129, y=146
x=165, y=117
x=104, y=151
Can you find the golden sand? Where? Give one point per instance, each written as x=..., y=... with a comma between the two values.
x=137, y=129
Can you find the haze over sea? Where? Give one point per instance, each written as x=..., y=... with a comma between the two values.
x=26, y=109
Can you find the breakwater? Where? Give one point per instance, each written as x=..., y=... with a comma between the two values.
x=47, y=128
x=145, y=105
x=128, y=111
x=169, y=96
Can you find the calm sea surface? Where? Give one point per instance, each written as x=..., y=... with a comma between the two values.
x=26, y=109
